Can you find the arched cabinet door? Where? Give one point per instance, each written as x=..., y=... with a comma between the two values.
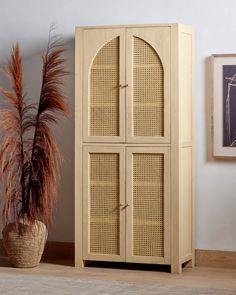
x=148, y=79
x=104, y=72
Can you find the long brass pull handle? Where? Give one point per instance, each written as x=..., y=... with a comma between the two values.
x=124, y=86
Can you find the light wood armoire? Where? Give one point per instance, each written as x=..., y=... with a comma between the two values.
x=134, y=176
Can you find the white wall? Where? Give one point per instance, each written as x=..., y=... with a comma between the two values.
x=215, y=25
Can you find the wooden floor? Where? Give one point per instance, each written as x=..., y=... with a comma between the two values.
x=196, y=277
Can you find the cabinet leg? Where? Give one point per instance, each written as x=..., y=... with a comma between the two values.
x=176, y=268
x=190, y=263
x=79, y=263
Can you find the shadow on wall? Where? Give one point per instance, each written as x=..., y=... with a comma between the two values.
x=208, y=107
x=63, y=227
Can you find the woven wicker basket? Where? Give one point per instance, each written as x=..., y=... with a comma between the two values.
x=25, y=250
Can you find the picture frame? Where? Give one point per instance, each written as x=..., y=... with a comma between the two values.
x=224, y=105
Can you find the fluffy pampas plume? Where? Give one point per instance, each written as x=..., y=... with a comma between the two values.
x=29, y=155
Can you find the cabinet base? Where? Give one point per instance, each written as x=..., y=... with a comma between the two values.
x=135, y=266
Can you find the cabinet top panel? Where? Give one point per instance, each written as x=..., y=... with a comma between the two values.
x=132, y=26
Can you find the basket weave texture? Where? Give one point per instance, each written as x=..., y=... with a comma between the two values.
x=25, y=249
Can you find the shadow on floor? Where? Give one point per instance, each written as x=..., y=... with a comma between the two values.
x=65, y=262
x=130, y=266
x=4, y=262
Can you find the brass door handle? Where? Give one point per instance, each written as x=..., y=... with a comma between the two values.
x=124, y=86
x=124, y=206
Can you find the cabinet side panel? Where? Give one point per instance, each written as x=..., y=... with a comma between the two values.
x=186, y=143
x=186, y=77
x=185, y=202
x=78, y=146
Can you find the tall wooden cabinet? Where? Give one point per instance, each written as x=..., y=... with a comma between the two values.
x=134, y=176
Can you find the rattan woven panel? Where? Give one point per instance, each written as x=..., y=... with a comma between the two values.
x=104, y=204
x=104, y=91
x=148, y=92
x=148, y=205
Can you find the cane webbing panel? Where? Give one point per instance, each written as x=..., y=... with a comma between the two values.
x=148, y=205
x=104, y=91
x=148, y=92
x=104, y=204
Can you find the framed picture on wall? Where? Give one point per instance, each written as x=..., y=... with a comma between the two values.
x=224, y=105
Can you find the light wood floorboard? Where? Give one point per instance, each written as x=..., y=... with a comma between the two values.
x=197, y=277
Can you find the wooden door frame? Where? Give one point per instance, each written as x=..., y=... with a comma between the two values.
x=129, y=213
x=86, y=199
x=94, y=40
